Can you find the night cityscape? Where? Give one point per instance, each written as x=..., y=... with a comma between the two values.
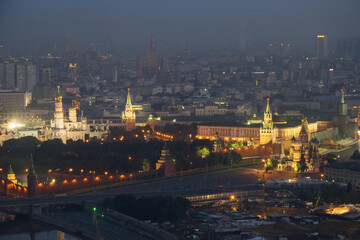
x=172, y=120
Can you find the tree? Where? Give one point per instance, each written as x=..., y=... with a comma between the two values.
x=235, y=144
x=146, y=165
x=349, y=187
x=203, y=152
x=271, y=163
x=302, y=164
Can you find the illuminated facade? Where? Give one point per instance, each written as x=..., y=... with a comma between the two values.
x=128, y=116
x=70, y=128
x=274, y=128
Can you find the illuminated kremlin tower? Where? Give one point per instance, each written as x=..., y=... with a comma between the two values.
x=128, y=115
x=32, y=179
x=267, y=131
x=342, y=118
x=59, y=131
x=11, y=175
x=165, y=165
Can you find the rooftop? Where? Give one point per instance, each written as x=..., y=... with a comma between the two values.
x=354, y=166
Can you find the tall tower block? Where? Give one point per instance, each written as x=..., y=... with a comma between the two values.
x=267, y=130
x=152, y=53
x=321, y=47
x=128, y=115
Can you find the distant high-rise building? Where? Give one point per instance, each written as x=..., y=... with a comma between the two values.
x=21, y=77
x=281, y=50
x=115, y=75
x=321, y=47
x=152, y=53
x=348, y=47
x=164, y=69
x=31, y=76
x=10, y=82
x=45, y=76
x=139, y=66
x=2, y=76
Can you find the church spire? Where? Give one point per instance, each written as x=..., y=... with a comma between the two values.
x=128, y=100
x=58, y=91
x=268, y=106
x=342, y=96
x=10, y=171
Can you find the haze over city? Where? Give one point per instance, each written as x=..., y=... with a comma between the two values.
x=176, y=23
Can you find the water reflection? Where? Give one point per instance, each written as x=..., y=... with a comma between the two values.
x=26, y=229
x=47, y=235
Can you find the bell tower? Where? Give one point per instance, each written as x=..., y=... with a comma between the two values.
x=59, y=114
x=59, y=131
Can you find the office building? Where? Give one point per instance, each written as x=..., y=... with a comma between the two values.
x=10, y=81
x=348, y=47
x=14, y=101
x=45, y=76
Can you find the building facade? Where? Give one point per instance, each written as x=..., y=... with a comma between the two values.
x=344, y=172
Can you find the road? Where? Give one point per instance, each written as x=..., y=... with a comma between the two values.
x=189, y=185
x=107, y=229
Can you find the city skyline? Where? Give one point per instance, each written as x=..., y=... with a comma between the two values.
x=129, y=23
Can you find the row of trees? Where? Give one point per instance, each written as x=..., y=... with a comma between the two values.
x=131, y=154
x=158, y=209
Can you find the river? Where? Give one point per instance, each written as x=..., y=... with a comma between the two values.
x=27, y=229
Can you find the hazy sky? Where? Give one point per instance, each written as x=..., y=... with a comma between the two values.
x=177, y=20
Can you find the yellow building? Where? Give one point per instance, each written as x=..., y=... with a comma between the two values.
x=272, y=128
